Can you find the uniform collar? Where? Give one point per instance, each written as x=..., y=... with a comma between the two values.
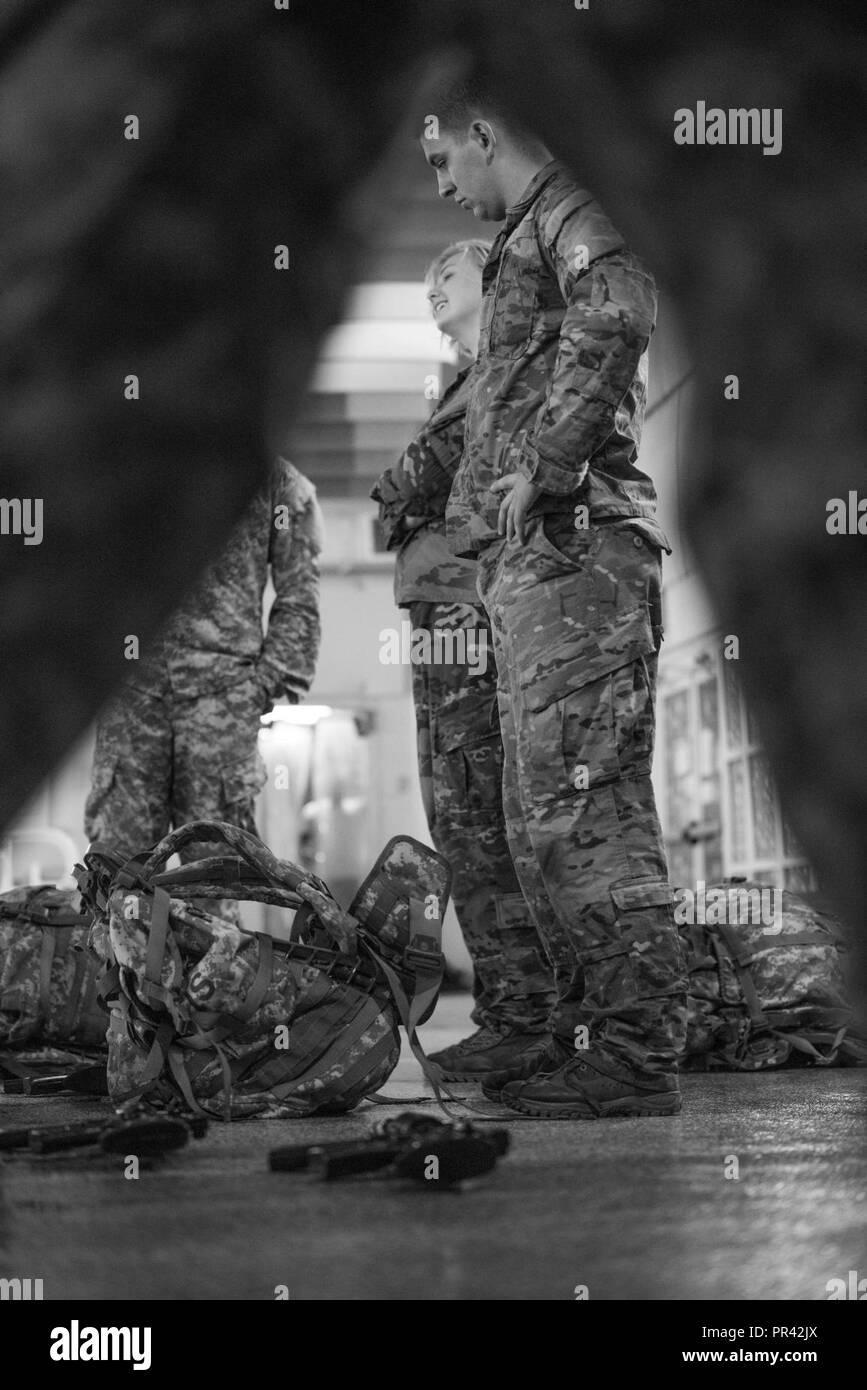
x=532, y=191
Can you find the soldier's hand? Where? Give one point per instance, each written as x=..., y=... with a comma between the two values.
x=520, y=494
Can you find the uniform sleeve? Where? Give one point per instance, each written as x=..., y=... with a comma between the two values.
x=287, y=662
x=418, y=485
x=610, y=316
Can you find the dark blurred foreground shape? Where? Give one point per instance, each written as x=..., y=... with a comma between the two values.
x=262, y=128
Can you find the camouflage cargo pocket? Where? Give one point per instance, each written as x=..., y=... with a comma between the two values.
x=589, y=705
x=242, y=781
x=468, y=762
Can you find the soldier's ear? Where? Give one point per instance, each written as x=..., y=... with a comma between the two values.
x=482, y=133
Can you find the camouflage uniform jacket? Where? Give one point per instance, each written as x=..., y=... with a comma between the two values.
x=413, y=496
x=215, y=639
x=560, y=383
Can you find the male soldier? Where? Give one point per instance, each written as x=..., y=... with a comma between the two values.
x=460, y=751
x=550, y=500
x=179, y=741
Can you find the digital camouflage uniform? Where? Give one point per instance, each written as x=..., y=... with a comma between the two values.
x=207, y=1030
x=558, y=394
x=460, y=751
x=179, y=741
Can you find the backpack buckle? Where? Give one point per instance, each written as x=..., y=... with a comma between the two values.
x=422, y=958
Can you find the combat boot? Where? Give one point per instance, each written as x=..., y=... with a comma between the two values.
x=592, y=1086
x=555, y=1053
x=475, y=1057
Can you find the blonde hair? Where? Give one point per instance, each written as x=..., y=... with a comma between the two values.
x=475, y=248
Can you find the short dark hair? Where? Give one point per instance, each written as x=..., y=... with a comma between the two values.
x=457, y=103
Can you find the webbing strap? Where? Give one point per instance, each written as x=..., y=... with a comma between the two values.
x=157, y=1055
x=302, y=917
x=163, y=998
x=751, y=998
x=46, y=955
x=409, y=1013
x=108, y=984
x=261, y=981
x=210, y=1038
x=802, y=1044
x=74, y=999
x=383, y=905
x=45, y=916
x=797, y=938
x=179, y=1072
x=157, y=936
x=88, y=999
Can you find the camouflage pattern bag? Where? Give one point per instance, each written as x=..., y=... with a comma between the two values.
x=767, y=981
x=48, y=979
x=238, y=1023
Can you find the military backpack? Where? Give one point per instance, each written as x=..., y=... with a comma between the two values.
x=237, y=1022
x=767, y=980
x=48, y=979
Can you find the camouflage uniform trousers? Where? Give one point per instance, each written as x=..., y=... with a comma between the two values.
x=161, y=761
x=576, y=619
x=460, y=756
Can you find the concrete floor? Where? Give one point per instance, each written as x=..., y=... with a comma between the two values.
x=633, y=1209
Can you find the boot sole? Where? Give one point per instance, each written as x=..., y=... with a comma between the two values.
x=625, y=1106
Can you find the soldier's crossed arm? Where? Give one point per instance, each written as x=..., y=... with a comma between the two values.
x=416, y=489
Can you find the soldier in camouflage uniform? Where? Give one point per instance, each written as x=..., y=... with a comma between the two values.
x=460, y=751
x=179, y=742
x=548, y=496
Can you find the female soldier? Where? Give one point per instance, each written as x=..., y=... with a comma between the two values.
x=459, y=748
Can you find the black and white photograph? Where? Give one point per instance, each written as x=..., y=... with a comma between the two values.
x=433, y=671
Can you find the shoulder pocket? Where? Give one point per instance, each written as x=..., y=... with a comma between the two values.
x=515, y=308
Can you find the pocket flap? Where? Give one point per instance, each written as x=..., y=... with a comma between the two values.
x=630, y=896
x=649, y=528
x=588, y=655
x=243, y=780
x=475, y=722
